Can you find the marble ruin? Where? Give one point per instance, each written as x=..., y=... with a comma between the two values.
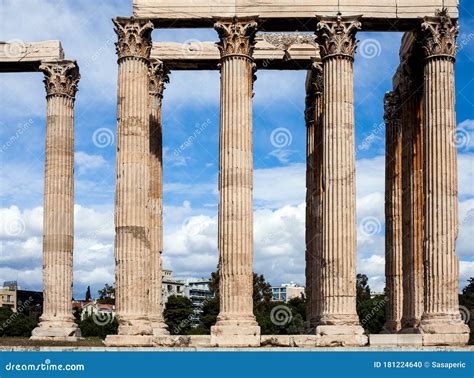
x=420, y=183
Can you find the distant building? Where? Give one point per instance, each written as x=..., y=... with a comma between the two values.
x=197, y=290
x=170, y=286
x=25, y=301
x=103, y=312
x=285, y=292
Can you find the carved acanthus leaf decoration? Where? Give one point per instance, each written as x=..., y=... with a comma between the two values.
x=237, y=36
x=158, y=76
x=439, y=34
x=134, y=37
x=60, y=78
x=284, y=41
x=337, y=36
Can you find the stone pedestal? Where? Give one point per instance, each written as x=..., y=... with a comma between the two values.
x=57, y=321
x=132, y=239
x=393, y=215
x=236, y=324
x=441, y=322
x=158, y=76
x=339, y=323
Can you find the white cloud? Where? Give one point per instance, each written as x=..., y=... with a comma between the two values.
x=86, y=162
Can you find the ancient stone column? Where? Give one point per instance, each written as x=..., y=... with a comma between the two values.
x=393, y=215
x=441, y=323
x=412, y=197
x=236, y=324
x=158, y=77
x=57, y=321
x=339, y=323
x=132, y=239
x=313, y=117
x=309, y=113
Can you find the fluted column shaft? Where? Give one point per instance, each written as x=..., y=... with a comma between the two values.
x=158, y=76
x=393, y=215
x=441, y=319
x=235, y=178
x=338, y=239
x=412, y=204
x=313, y=113
x=61, y=80
x=132, y=239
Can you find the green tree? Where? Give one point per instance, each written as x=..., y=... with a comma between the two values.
x=371, y=313
x=107, y=294
x=16, y=324
x=88, y=294
x=177, y=314
x=466, y=299
x=91, y=328
x=362, y=288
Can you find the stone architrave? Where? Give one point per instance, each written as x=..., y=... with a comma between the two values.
x=132, y=220
x=57, y=320
x=236, y=324
x=339, y=323
x=441, y=322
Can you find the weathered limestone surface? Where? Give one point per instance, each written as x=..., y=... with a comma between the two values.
x=339, y=323
x=132, y=216
x=236, y=324
x=290, y=15
x=313, y=116
x=158, y=77
x=393, y=214
x=410, y=89
x=441, y=323
x=57, y=321
x=287, y=51
x=20, y=56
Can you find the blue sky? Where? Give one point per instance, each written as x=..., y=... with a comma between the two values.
x=191, y=102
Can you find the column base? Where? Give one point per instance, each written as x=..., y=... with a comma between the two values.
x=444, y=330
x=56, y=330
x=139, y=326
x=335, y=332
x=128, y=341
x=235, y=333
x=391, y=326
x=159, y=328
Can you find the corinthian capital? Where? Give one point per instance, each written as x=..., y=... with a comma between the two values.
x=237, y=36
x=439, y=35
x=60, y=78
x=158, y=76
x=337, y=35
x=134, y=37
